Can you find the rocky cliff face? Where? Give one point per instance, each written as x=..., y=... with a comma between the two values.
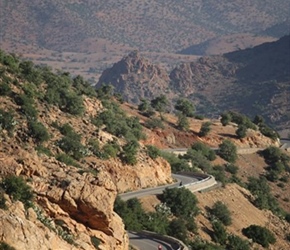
x=136, y=78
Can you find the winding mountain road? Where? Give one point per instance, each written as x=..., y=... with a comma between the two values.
x=186, y=180
x=143, y=241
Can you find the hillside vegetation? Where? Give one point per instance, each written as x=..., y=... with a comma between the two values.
x=67, y=150
x=251, y=81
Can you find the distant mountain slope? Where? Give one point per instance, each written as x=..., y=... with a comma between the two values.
x=164, y=25
x=252, y=81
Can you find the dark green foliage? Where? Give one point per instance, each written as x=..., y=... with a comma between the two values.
x=182, y=123
x=129, y=154
x=287, y=217
x=181, y=201
x=95, y=241
x=198, y=160
x=228, y=151
x=27, y=106
x=260, y=235
x=135, y=218
x=7, y=120
x=241, y=119
x=12, y=62
x=261, y=190
x=72, y=146
x=277, y=160
x=38, y=132
x=219, y=232
x=5, y=89
x=241, y=132
x=110, y=149
x=154, y=123
x=67, y=130
x=221, y=212
x=231, y=168
x=43, y=150
x=5, y=246
x=273, y=155
x=267, y=131
x=60, y=92
x=185, y=107
x=205, y=129
x=219, y=173
x=30, y=72
x=152, y=151
x=177, y=229
x=160, y=104
x=131, y=212
x=225, y=119
x=118, y=123
x=2, y=200
x=16, y=187
x=83, y=87
x=258, y=120
x=105, y=91
x=67, y=160
x=94, y=147
x=236, y=243
x=201, y=245
x=144, y=105
x=205, y=150
x=176, y=163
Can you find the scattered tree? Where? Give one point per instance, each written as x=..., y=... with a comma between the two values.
x=185, y=107
x=228, y=151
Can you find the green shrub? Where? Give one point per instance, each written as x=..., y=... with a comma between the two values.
x=16, y=187
x=181, y=201
x=5, y=89
x=219, y=232
x=226, y=119
x=178, y=229
x=38, y=131
x=228, y=151
x=2, y=200
x=72, y=147
x=129, y=154
x=43, y=150
x=205, y=150
x=67, y=160
x=182, y=123
x=221, y=212
x=5, y=246
x=177, y=164
x=231, y=168
x=241, y=132
x=110, y=149
x=236, y=243
x=7, y=120
x=205, y=129
x=260, y=235
x=154, y=123
x=152, y=151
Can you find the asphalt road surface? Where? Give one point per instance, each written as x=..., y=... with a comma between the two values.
x=158, y=190
x=143, y=242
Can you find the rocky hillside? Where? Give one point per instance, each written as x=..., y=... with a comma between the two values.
x=149, y=26
x=69, y=168
x=252, y=81
x=68, y=150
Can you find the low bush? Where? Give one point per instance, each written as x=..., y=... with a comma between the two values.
x=260, y=235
